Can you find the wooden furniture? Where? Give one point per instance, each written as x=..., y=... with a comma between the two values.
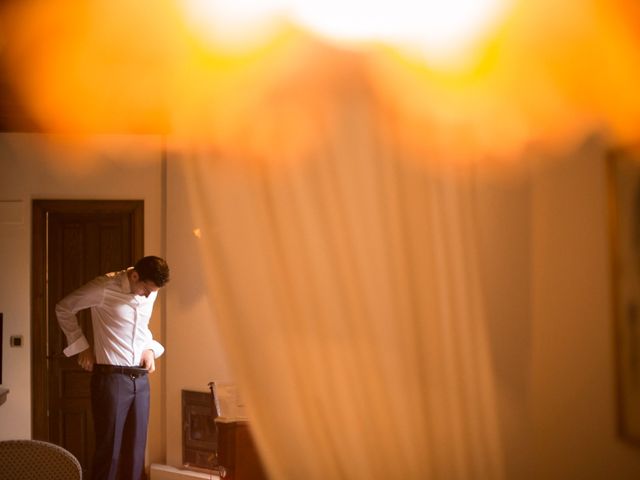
x=237, y=455
x=230, y=452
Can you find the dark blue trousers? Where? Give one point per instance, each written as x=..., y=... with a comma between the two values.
x=120, y=404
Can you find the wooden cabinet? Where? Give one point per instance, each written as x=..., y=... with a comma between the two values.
x=237, y=455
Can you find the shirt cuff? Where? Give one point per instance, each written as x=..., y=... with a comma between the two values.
x=78, y=346
x=157, y=348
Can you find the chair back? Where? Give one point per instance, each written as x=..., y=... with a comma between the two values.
x=37, y=460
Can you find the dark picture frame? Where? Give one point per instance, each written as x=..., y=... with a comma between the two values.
x=199, y=433
x=623, y=167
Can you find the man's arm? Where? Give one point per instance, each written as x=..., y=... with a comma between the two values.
x=87, y=296
x=148, y=360
x=87, y=359
x=153, y=349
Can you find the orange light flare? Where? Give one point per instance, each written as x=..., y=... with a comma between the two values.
x=553, y=74
x=89, y=67
x=549, y=73
x=127, y=67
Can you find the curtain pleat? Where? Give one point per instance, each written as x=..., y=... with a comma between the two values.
x=346, y=286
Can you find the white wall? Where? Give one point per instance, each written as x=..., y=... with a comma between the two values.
x=546, y=270
x=545, y=263
x=572, y=391
x=57, y=167
x=504, y=227
x=195, y=354
x=109, y=167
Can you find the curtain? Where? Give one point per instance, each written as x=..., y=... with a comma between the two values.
x=336, y=203
x=345, y=282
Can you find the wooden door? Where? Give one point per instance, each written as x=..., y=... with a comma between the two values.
x=73, y=242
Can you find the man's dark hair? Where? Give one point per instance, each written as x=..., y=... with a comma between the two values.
x=153, y=269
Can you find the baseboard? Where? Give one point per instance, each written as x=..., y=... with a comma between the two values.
x=165, y=472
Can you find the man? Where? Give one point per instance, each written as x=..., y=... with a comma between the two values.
x=122, y=354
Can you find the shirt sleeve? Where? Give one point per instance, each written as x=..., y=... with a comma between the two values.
x=157, y=348
x=87, y=296
x=149, y=342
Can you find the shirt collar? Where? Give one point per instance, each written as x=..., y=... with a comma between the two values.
x=124, y=282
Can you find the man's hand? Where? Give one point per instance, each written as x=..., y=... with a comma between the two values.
x=148, y=360
x=86, y=359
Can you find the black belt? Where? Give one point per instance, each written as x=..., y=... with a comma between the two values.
x=132, y=371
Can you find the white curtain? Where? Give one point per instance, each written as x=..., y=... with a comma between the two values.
x=336, y=213
x=345, y=282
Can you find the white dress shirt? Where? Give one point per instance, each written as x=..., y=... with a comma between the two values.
x=120, y=320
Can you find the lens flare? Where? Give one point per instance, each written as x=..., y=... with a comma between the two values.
x=233, y=25
x=441, y=32
x=116, y=66
x=438, y=31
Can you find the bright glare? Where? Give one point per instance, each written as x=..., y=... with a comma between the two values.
x=232, y=24
x=437, y=29
x=434, y=27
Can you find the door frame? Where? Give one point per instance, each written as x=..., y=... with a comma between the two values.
x=39, y=289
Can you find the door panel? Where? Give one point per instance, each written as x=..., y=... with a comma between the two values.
x=74, y=241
